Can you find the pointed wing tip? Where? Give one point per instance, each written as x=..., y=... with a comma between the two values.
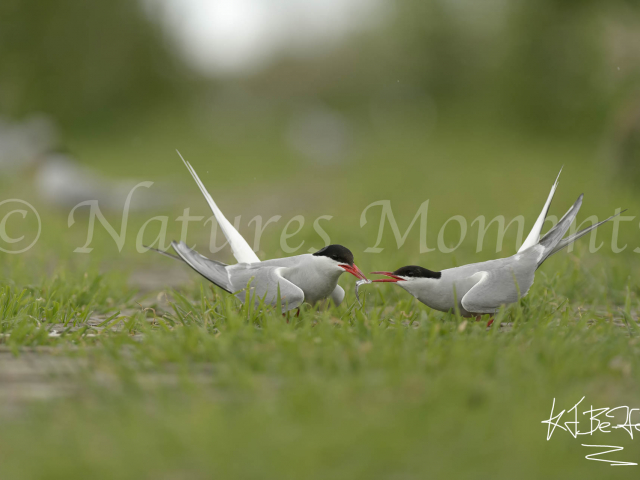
x=183, y=160
x=193, y=173
x=617, y=214
x=558, y=177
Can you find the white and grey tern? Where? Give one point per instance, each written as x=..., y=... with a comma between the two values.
x=482, y=288
x=306, y=278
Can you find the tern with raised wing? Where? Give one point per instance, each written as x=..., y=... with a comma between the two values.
x=482, y=288
x=302, y=278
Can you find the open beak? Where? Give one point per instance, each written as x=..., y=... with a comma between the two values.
x=393, y=279
x=355, y=271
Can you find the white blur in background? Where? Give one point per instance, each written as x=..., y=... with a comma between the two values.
x=239, y=37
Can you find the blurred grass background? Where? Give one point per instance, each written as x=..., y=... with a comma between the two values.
x=473, y=106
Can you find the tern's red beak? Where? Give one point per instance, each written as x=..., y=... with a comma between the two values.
x=354, y=270
x=393, y=279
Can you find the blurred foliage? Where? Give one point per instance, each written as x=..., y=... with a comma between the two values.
x=73, y=59
x=548, y=66
x=551, y=65
x=557, y=64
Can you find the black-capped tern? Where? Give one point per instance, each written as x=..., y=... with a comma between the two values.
x=302, y=278
x=482, y=288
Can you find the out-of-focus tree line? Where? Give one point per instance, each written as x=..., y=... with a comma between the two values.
x=554, y=65
x=77, y=59
x=551, y=64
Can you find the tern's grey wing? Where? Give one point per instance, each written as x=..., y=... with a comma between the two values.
x=287, y=262
x=498, y=287
x=210, y=269
x=263, y=282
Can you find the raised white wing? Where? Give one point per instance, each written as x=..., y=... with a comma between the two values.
x=534, y=236
x=241, y=249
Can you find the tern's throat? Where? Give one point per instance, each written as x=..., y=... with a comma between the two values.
x=420, y=287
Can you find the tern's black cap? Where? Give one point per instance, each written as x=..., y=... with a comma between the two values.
x=336, y=252
x=416, y=272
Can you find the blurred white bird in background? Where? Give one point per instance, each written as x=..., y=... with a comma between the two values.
x=32, y=148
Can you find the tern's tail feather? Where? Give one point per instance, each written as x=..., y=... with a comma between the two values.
x=241, y=249
x=572, y=238
x=534, y=236
x=166, y=254
x=554, y=236
x=210, y=269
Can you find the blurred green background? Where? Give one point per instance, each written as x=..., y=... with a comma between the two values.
x=473, y=105
x=321, y=108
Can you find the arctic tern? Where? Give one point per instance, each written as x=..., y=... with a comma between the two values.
x=482, y=288
x=302, y=278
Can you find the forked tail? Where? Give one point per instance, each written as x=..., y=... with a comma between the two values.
x=534, y=236
x=553, y=237
x=552, y=241
x=572, y=238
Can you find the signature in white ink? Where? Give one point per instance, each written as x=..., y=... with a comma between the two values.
x=614, y=463
x=603, y=420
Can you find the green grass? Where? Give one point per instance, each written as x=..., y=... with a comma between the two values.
x=210, y=388
x=141, y=382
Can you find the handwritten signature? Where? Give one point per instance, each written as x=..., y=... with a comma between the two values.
x=603, y=420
